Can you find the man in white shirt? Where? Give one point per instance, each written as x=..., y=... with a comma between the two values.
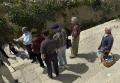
x=26, y=38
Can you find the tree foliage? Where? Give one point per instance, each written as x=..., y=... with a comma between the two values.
x=36, y=14
x=5, y=31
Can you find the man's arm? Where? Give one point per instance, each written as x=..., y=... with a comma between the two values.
x=42, y=50
x=19, y=39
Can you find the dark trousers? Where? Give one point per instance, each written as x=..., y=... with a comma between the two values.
x=31, y=54
x=38, y=57
x=52, y=58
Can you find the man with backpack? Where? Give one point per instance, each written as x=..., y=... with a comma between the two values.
x=60, y=36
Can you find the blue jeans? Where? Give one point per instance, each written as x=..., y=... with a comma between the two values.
x=22, y=54
x=62, y=56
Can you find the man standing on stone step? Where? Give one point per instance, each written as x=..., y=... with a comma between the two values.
x=49, y=55
x=37, y=39
x=75, y=28
x=4, y=71
x=106, y=43
x=60, y=36
x=27, y=40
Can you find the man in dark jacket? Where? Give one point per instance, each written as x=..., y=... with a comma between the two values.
x=106, y=43
x=49, y=55
x=36, y=44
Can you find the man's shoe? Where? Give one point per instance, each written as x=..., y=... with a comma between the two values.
x=57, y=75
x=16, y=81
x=42, y=67
x=66, y=66
x=50, y=76
x=33, y=61
x=72, y=57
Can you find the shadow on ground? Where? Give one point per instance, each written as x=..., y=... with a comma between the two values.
x=90, y=57
x=67, y=78
x=79, y=68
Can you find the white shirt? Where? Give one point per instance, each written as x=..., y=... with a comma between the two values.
x=26, y=38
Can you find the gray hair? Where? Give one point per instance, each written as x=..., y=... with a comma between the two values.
x=74, y=19
x=24, y=29
x=109, y=28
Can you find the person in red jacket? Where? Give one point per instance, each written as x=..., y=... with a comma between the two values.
x=36, y=44
x=75, y=29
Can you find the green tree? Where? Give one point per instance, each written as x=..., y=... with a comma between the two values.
x=5, y=31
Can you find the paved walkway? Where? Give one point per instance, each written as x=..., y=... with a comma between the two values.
x=82, y=68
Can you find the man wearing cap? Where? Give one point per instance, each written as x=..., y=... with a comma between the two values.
x=106, y=43
x=27, y=40
x=60, y=36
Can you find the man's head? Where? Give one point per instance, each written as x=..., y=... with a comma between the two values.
x=34, y=31
x=74, y=20
x=24, y=29
x=46, y=34
x=108, y=30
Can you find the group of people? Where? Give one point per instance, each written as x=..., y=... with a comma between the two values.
x=50, y=48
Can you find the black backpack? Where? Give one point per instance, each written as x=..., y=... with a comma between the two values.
x=68, y=43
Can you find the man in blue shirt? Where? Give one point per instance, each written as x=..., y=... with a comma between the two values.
x=106, y=43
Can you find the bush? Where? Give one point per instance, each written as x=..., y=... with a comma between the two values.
x=5, y=31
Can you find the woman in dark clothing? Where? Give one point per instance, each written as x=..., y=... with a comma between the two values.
x=36, y=43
